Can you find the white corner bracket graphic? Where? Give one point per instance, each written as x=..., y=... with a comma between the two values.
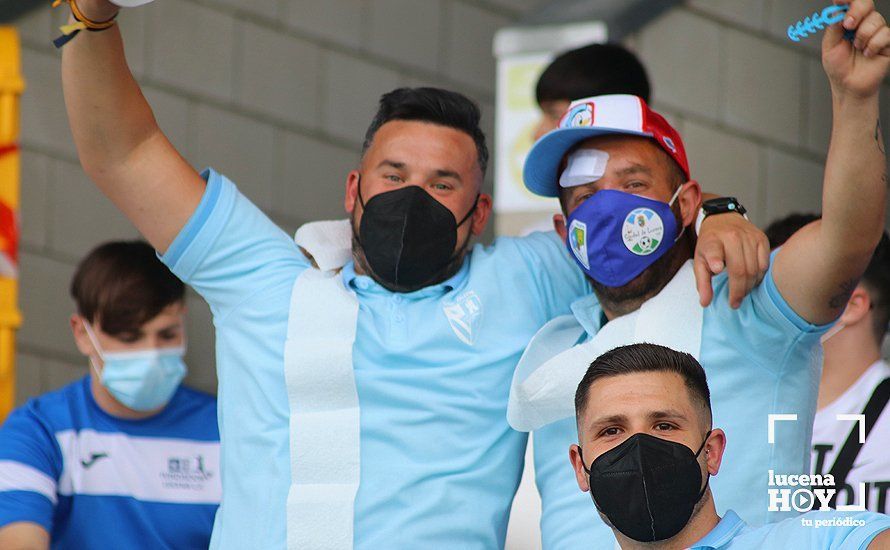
x=772, y=419
x=855, y=507
x=855, y=418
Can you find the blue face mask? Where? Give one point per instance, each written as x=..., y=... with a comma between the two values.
x=142, y=380
x=614, y=236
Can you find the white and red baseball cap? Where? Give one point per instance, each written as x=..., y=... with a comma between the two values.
x=597, y=116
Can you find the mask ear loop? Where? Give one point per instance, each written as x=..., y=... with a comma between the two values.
x=589, y=480
x=707, y=473
x=581, y=456
x=469, y=234
x=472, y=210
x=361, y=201
x=96, y=346
x=671, y=204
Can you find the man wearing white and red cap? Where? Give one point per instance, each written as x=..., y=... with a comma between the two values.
x=622, y=177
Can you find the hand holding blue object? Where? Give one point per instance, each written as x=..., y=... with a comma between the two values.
x=818, y=21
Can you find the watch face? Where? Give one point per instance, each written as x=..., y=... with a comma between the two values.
x=723, y=204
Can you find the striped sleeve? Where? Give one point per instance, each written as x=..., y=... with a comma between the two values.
x=30, y=465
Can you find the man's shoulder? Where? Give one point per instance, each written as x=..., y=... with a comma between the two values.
x=55, y=407
x=537, y=243
x=537, y=256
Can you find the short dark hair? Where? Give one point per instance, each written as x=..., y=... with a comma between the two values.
x=781, y=230
x=433, y=105
x=597, y=69
x=123, y=285
x=635, y=358
x=876, y=278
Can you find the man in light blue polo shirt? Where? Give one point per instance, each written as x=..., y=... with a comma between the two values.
x=623, y=180
x=362, y=396
x=649, y=455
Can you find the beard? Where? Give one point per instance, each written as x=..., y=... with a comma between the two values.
x=364, y=267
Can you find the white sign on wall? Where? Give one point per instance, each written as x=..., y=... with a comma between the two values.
x=522, y=54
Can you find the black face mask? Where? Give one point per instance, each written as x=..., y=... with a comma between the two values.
x=648, y=487
x=408, y=237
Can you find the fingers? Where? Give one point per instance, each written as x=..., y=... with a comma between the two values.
x=703, y=280
x=737, y=269
x=763, y=255
x=870, y=26
x=752, y=265
x=879, y=44
x=833, y=34
x=859, y=10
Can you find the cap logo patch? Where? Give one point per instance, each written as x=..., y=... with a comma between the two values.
x=579, y=116
x=670, y=144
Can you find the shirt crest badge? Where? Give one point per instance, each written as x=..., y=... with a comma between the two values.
x=464, y=313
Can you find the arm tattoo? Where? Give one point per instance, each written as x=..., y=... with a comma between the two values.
x=839, y=300
x=879, y=138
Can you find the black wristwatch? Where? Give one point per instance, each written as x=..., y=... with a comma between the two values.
x=719, y=205
x=722, y=205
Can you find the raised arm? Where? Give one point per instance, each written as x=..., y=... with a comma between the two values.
x=819, y=266
x=119, y=143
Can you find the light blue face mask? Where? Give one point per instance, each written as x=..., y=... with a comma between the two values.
x=142, y=380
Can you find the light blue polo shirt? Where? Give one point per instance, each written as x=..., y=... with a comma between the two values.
x=439, y=463
x=762, y=358
x=829, y=530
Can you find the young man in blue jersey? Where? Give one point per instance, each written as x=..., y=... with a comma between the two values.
x=648, y=452
x=126, y=457
x=363, y=385
x=630, y=203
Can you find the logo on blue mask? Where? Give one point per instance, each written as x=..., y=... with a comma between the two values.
x=578, y=242
x=614, y=236
x=643, y=231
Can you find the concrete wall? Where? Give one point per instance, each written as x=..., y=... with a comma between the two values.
x=274, y=93
x=753, y=107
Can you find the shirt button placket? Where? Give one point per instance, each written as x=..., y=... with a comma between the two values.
x=398, y=327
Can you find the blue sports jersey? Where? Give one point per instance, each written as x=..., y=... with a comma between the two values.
x=829, y=530
x=759, y=359
x=439, y=463
x=96, y=481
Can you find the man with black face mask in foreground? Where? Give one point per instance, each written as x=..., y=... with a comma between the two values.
x=647, y=450
x=362, y=391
